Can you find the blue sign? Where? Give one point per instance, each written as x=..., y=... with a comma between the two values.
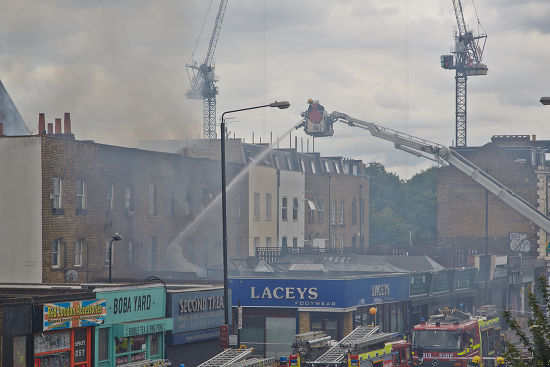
x=198, y=310
x=319, y=293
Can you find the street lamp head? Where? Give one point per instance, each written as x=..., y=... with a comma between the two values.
x=282, y=105
x=545, y=100
x=117, y=237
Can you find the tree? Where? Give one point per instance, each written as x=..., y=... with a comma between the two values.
x=400, y=208
x=537, y=338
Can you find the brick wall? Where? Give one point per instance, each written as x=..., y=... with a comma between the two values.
x=348, y=323
x=304, y=322
x=190, y=184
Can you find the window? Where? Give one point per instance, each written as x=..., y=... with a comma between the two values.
x=295, y=242
x=129, y=199
x=171, y=202
x=154, y=345
x=130, y=251
x=130, y=349
x=111, y=197
x=320, y=210
x=362, y=210
x=256, y=206
x=333, y=241
x=295, y=209
x=341, y=213
x=327, y=167
x=57, y=194
x=354, y=241
x=337, y=167
x=302, y=165
x=56, y=253
x=289, y=163
x=78, y=252
x=153, y=264
x=354, y=211
x=238, y=246
x=80, y=195
x=19, y=351
x=284, y=208
x=276, y=159
x=333, y=212
x=238, y=205
x=268, y=206
x=152, y=195
x=268, y=241
x=341, y=241
x=313, y=167
x=256, y=242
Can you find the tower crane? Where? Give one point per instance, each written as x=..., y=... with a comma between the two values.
x=203, y=79
x=467, y=61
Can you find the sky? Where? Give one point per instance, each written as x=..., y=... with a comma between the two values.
x=119, y=68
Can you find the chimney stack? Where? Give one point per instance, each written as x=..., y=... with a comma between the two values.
x=534, y=138
x=41, y=124
x=67, y=123
x=58, y=125
x=50, y=128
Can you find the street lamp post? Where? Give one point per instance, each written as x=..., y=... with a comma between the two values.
x=280, y=105
x=116, y=237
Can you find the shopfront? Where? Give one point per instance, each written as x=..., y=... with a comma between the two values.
x=275, y=309
x=197, y=316
x=135, y=326
x=65, y=339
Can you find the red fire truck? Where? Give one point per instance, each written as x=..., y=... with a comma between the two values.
x=453, y=338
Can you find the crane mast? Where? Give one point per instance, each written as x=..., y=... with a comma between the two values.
x=203, y=79
x=467, y=61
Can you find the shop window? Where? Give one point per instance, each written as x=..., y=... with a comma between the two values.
x=331, y=328
x=279, y=335
x=130, y=349
x=103, y=344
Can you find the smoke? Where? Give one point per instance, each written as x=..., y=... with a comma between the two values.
x=118, y=67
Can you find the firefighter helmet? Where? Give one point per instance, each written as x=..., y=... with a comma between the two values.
x=310, y=101
x=476, y=360
x=500, y=360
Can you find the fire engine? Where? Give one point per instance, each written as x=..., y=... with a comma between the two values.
x=454, y=337
x=364, y=346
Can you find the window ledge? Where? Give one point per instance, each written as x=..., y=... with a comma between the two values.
x=58, y=211
x=81, y=211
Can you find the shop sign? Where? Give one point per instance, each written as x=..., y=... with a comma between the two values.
x=73, y=314
x=197, y=310
x=142, y=328
x=140, y=303
x=288, y=292
x=319, y=293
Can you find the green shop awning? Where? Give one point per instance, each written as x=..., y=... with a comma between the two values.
x=151, y=326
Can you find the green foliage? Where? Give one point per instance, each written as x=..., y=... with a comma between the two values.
x=399, y=207
x=537, y=340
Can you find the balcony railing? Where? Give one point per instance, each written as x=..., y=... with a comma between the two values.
x=273, y=254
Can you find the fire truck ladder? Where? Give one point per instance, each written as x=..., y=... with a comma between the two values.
x=312, y=339
x=363, y=343
x=337, y=353
x=227, y=358
x=256, y=362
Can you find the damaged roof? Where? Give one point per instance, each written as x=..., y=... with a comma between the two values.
x=9, y=115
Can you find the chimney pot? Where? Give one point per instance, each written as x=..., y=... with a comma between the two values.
x=58, y=125
x=41, y=124
x=50, y=128
x=534, y=138
x=67, y=123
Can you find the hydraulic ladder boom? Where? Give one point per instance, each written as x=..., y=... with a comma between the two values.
x=443, y=155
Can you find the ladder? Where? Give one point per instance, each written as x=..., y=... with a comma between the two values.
x=337, y=353
x=227, y=358
x=360, y=344
x=256, y=362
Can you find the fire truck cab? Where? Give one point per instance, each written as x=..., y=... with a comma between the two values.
x=453, y=338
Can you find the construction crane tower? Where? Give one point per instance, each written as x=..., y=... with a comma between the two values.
x=466, y=58
x=203, y=79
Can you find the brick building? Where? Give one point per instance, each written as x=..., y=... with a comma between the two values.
x=69, y=197
x=519, y=163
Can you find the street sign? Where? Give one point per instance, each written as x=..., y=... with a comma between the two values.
x=224, y=336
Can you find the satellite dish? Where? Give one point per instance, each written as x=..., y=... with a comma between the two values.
x=71, y=276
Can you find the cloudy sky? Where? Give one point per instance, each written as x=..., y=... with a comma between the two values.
x=119, y=68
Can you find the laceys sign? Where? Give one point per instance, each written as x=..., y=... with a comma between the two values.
x=319, y=293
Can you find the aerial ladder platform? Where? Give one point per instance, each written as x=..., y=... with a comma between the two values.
x=237, y=358
x=359, y=339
